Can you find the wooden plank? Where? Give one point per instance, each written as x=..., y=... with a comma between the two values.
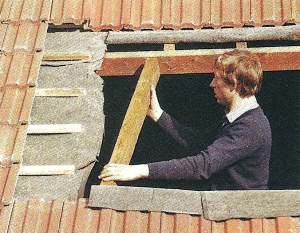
x=196, y=61
x=39, y=170
x=241, y=45
x=66, y=56
x=54, y=129
x=135, y=114
x=60, y=92
x=169, y=47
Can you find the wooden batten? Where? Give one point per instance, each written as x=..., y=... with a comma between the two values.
x=65, y=56
x=135, y=115
x=38, y=170
x=54, y=129
x=60, y=92
x=196, y=61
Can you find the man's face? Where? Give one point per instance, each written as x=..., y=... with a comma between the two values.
x=222, y=90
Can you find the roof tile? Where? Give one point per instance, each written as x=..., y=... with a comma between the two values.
x=18, y=216
x=45, y=12
x=3, y=28
x=10, y=38
x=151, y=14
x=191, y=14
x=136, y=14
x=68, y=216
x=10, y=184
x=117, y=222
x=5, y=10
x=126, y=10
x=269, y=225
x=43, y=217
x=34, y=69
x=25, y=42
x=167, y=222
x=5, y=214
x=182, y=223
x=154, y=221
x=87, y=9
x=19, y=71
x=31, y=11
x=231, y=13
x=176, y=14
x=105, y=220
x=5, y=60
x=10, y=109
x=8, y=135
x=216, y=14
x=55, y=216
x=256, y=225
x=73, y=11
x=24, y=117
x=19, y=144
x=32, y=215
x=15, y=11
x=57, y=12
x=111, y=14
x=295, y=11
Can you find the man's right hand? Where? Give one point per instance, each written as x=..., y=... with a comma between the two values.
x=154, y=110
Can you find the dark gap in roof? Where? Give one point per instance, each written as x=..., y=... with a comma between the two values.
x=272, y=43
x=134, y=47
x=64, y=29
x=190, y=46
x=190, y=100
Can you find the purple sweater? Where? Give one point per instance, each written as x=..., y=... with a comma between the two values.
x=237, y=157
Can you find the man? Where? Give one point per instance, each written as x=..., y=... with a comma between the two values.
x=233, y=155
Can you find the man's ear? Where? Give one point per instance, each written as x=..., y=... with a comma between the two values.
x=233, y=86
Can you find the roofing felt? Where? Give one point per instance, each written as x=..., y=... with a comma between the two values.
x=74, y=216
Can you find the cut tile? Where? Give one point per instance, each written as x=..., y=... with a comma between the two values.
x=19, y=144
x=34, y=69
x=27, y=104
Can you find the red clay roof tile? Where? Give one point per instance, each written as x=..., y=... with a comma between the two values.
x=24, y=117
x=65, y=216
x=11, y=106
x=34, y=69
x=8, y=135
x=19, y=71
x=72, y=12
x=151, y=14
x=5, y=60
x=55, y=215
x=19, y=144
x=57, y=12
x=10, y=184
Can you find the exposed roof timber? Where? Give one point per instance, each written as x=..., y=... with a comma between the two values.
x=206, y=35
x=195, y=61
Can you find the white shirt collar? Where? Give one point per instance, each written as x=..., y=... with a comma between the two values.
x=246, y=105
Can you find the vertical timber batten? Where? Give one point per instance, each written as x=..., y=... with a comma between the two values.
x=135, y=115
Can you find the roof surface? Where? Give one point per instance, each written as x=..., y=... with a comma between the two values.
x=71, y=216
x=23, y=29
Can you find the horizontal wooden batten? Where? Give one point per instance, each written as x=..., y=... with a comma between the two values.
x=60, y=92
x=195, y=61
x=51, y=56
x=54, y=129
x=37, y=170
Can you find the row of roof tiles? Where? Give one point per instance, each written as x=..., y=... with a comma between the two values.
x=22, y=35
x=152, y=14
x=75, y=216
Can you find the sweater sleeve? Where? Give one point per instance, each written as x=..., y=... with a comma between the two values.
x=189, y=138
x=236, y=140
